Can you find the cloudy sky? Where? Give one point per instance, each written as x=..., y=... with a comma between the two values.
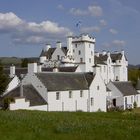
x=27, y=25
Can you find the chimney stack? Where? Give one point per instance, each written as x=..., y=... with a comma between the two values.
x=32, y=68
x=58, y=44
x=12, y=71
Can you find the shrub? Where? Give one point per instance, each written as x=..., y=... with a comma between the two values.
x=135, y=104
x=6, y=102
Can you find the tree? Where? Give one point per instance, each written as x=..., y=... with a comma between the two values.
x=3, y=80
x=24, y=62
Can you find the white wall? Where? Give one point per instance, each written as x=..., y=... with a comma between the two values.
x=68, y=104
x=99, y=96
x=21, y=103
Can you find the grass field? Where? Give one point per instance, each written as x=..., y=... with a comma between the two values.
x=36, y=125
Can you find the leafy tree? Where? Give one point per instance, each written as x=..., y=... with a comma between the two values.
x=24, y=62
x=3, y=80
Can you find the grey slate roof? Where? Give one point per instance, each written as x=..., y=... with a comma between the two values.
x=138, y=85
x=126, y=88
x=29, y=93
x=66, y=81
x=61, y=69
x=49, y=53
x=116, y=56
x=18, y=71
x=99, y=60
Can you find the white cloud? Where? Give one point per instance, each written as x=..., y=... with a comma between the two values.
x=60, y=6
x=90, y=29
x=78, y=12
x=114, y=43
x=103, y=22
x=95, y=11
x=30, y=32
x=113, y=31
x=119, y=43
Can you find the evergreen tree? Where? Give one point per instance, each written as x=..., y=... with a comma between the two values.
x=3, y=80
x=24, y=62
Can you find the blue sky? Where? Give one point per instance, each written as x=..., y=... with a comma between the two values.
x=27, y=25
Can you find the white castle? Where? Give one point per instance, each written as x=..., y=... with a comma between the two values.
x=73, y=78
x=80, y=53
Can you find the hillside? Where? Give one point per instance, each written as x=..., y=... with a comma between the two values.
x=8, y=61
x=35, y=125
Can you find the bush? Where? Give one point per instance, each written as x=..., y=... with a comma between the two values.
x=6, y=102
x=135, y=104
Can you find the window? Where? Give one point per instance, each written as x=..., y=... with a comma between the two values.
x=89, y=45
x=98, y=87
x=81, y=93
x=75, y=45
x=79, y=52
x=81, y=60
x=89, y=60
x=58, y=57
x=57, y=95
x=73, y=51
x=91, y=101
x=131, y=99
x=104, y=69
x=91, y=52
x=70, y=94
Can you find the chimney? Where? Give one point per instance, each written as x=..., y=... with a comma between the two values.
x=69, y=45
x=55, y=69
x=12, y=71
x=122, y=52
x=58, y=44
x=21, y=90
x=103, y=52
x=39, y=69
x=108, y=53
x=96, y=69
x=97, y=54
x=32, y=68
x=47, y=47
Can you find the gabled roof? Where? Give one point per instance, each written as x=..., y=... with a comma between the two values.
x=29, y=93
x=65, y=81
x=138, y=85
x=116, y=56
x=99, y=60
x=60, y=69
x=126, y=88
x=50, y=51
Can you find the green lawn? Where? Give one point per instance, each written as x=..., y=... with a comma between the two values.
x=36, y=125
